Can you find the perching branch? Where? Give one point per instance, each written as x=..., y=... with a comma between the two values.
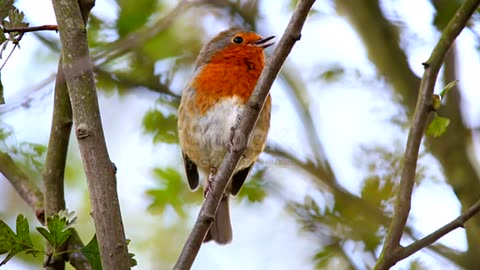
x=419, y=122
x=100, y=173
x=241, y=134
x=29, y=192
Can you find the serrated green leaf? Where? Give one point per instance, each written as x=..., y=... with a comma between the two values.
x=23, y=230
x=5, y=7
x=48, y=236
x=15, y=243
x=58, y=232
x=6, y=237
x=15, y=18
x=92, y=253
x=447, y=88
x=438, y=126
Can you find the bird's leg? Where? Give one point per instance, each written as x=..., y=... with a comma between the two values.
x=208, y=185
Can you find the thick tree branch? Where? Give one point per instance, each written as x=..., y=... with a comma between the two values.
x=29, y=192
x=53, y=176
x=432, y=66
x=241, y=133
x=100, y=173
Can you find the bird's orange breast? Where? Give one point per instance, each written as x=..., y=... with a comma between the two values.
x=232, y=72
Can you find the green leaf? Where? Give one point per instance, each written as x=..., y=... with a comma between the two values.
x=378, y=190
x=4, y=134
x=15, y=20
x=164, y=129
x=15, y=243
x=172, y=192
x=134, y=14
x=323, y=257
x=6, y=238
x=436, y=102
x=254, y=188
x=5, y=7
x=133, y=262
x=59, y=229
x=438, y=126
x=447, y=88
x=333, y=74
x=92, y=253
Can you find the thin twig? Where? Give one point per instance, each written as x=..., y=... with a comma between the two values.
x=15, y=45
x=48, y=27
x=459, y=222
x=241, y=133
x=403, y=201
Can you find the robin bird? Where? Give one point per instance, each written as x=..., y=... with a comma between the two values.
x=226, y=72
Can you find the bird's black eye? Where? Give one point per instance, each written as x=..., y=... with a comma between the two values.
x=238, y=40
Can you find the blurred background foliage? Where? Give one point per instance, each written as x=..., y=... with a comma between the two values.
x=148, y=46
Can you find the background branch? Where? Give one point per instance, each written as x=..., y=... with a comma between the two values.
x=432, y=66
x=53, y=175
x=29, y=192
x=241, y=133
x=100, y=173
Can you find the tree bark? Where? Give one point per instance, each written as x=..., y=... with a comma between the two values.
x=99, y=170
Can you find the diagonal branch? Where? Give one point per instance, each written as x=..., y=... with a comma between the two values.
x=459, y=222
x=241, y=133
x=29, y=192
x=422, y=111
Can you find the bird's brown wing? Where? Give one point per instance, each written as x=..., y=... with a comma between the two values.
x=238, y=179
x=191, y=170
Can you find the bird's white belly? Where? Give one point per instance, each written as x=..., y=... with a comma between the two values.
x=213, y=130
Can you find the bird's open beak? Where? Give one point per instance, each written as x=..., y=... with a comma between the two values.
x=264, y=42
